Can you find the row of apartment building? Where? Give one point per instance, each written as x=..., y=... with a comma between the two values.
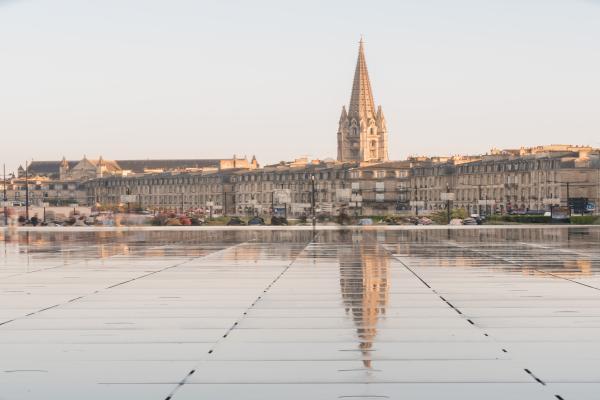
x=501, y=181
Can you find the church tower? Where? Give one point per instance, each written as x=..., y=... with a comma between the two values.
x=362, y=134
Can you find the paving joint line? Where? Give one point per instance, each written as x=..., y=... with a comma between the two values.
x=480, y=253
x=112, y=286
x=240, y=319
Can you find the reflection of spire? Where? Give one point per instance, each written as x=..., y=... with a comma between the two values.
x=364, y=285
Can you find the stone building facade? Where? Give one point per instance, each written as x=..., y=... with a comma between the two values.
x=504, y=181
x=164, y=191
x=380, y=189
x=498, y=182
x=285, y=186
x=85, y=168
x=88, y=169
x=43, y=190
x=362, y=131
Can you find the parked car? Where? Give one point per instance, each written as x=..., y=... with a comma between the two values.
x=365, y=221
x=279, y=221
x=256, y=221
x=235, y=221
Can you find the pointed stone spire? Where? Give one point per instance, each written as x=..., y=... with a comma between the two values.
x=361, y=100
x=344, y=114
x=362, y=131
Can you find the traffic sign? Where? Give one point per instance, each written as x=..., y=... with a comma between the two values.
x=447, y=196
x=128, y=198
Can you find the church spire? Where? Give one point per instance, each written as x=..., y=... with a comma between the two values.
x=361, y=100
x=362, y=131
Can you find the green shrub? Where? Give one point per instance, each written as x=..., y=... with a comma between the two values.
x=585, y=220
x=441, y=217
x=522, y=219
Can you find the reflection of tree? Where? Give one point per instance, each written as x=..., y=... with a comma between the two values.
x=364, y=272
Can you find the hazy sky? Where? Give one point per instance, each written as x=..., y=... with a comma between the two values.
x=206, y=79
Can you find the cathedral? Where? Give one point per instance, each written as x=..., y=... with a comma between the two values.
x=362, y=133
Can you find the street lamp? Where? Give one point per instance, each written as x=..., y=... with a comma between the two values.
x=128, y=192
x=312, y=202
x=448, y=202
x=4, y=197
x=26, y=190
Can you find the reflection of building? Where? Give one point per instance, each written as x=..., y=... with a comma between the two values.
x=364, y=283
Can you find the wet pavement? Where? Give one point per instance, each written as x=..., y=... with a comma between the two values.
x=466, y=313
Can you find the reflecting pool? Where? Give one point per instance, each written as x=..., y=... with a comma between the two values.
x=372, y=313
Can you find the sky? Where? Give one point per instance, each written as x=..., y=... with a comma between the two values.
x=136, y=79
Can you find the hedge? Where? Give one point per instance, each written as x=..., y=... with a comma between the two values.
x=585, y=220
x=524, y=219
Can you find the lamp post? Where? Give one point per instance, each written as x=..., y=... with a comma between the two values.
x=416, y=200
x=312, y=199
x=448, y=202
x=128, y=192
x=26, y=192
x=4, y=196
x=478, y=202
x=272, y=204
x=597, y=205
x=568, y=200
